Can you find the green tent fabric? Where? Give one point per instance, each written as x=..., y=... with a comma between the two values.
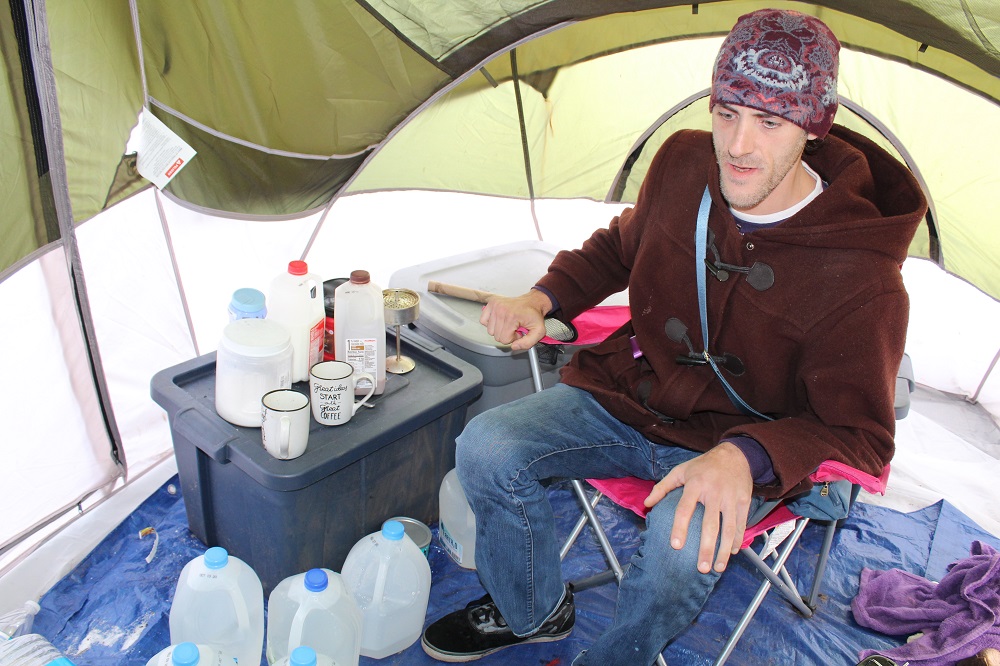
x=287, y=102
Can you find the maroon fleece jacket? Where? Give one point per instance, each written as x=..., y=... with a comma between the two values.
x=821, y=346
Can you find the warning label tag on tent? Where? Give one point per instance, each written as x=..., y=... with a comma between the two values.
x=160, y=153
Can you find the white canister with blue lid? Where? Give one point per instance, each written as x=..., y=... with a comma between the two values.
x=254, y=357
x=247, y=303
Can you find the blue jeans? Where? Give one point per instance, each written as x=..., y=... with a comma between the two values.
x=504, y=456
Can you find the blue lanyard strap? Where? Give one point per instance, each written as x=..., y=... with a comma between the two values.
x=700, y=248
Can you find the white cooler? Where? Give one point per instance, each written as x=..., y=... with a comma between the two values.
x=508, y=270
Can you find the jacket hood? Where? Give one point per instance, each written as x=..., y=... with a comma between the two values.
x=872, y=200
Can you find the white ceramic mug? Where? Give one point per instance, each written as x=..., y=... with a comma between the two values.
x=331, y=388
x=284, y=423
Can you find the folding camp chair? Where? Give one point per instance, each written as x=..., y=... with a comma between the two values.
x=775, y=521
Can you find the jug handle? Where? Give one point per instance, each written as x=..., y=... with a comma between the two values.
x=380, y=580
x=242, y=614
x=298, y=621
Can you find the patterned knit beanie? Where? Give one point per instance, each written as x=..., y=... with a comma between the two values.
x=783, y=63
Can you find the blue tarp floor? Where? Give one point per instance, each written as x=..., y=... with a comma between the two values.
x=113, y=608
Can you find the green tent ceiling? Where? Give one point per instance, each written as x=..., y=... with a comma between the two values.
x=291, y=104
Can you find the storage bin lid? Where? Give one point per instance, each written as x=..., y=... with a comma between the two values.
x=507, y=270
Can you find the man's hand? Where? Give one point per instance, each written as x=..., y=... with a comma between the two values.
x=503, y=317
x=720, y=480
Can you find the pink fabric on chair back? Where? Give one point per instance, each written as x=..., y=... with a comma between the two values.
x=596, y=324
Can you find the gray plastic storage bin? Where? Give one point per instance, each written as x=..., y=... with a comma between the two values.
x=508, y=270
x=283, y=517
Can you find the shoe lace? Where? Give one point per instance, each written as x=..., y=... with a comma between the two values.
x=488, y=616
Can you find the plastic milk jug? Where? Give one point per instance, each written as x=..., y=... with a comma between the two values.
x=295, y=301
x=31, y=650
x=359, y=313
x=219, y=601
x=189, y=654
x=457, y=529
x=306, y=656
x=390, y=580
x=313, y=609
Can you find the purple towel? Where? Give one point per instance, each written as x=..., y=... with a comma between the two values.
x=958, y=616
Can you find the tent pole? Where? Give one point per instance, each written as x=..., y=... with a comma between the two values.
x=524, y=140
x=44, y=72
x=986, y=375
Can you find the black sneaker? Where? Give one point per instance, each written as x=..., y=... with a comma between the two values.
x=478, y=630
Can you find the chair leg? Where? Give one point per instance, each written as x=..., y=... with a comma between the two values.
x=595, y=524
x=773, y=578
x=580, y=524
x=824, y=555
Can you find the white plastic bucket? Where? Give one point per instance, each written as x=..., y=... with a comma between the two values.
x=254, y=357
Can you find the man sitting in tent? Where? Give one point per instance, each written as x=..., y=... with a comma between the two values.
x=811, y=222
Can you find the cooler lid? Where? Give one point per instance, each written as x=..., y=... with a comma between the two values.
x=508, y=270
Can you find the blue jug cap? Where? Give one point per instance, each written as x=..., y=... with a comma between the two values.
x=316, y=580
x=185, y=654
x=61, y=661
x=303, y=656
x=393, y=530
x=216, y=557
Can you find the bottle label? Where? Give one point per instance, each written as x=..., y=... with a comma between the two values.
x=452, y=547
x=316, y=335
x=362, y=353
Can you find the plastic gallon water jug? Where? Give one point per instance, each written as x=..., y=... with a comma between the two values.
x=219, y=601
x=295, y=301
x=457, y=527
x=31, y=650
x=306, y=656
x=189, y=654
x=18, y=621
x=313, y=609
x=359, y=313
x=390, y=581
x=254, y=357
x=247, y=303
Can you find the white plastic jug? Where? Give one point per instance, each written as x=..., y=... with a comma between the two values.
x=359, y=333
x=390, y=581
x=189, y=654
x=306, y=656
x=219, y=601
x=313, y=609
x=295, y=300
x=457, y=527
x=18, y=621
x=31, y=650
